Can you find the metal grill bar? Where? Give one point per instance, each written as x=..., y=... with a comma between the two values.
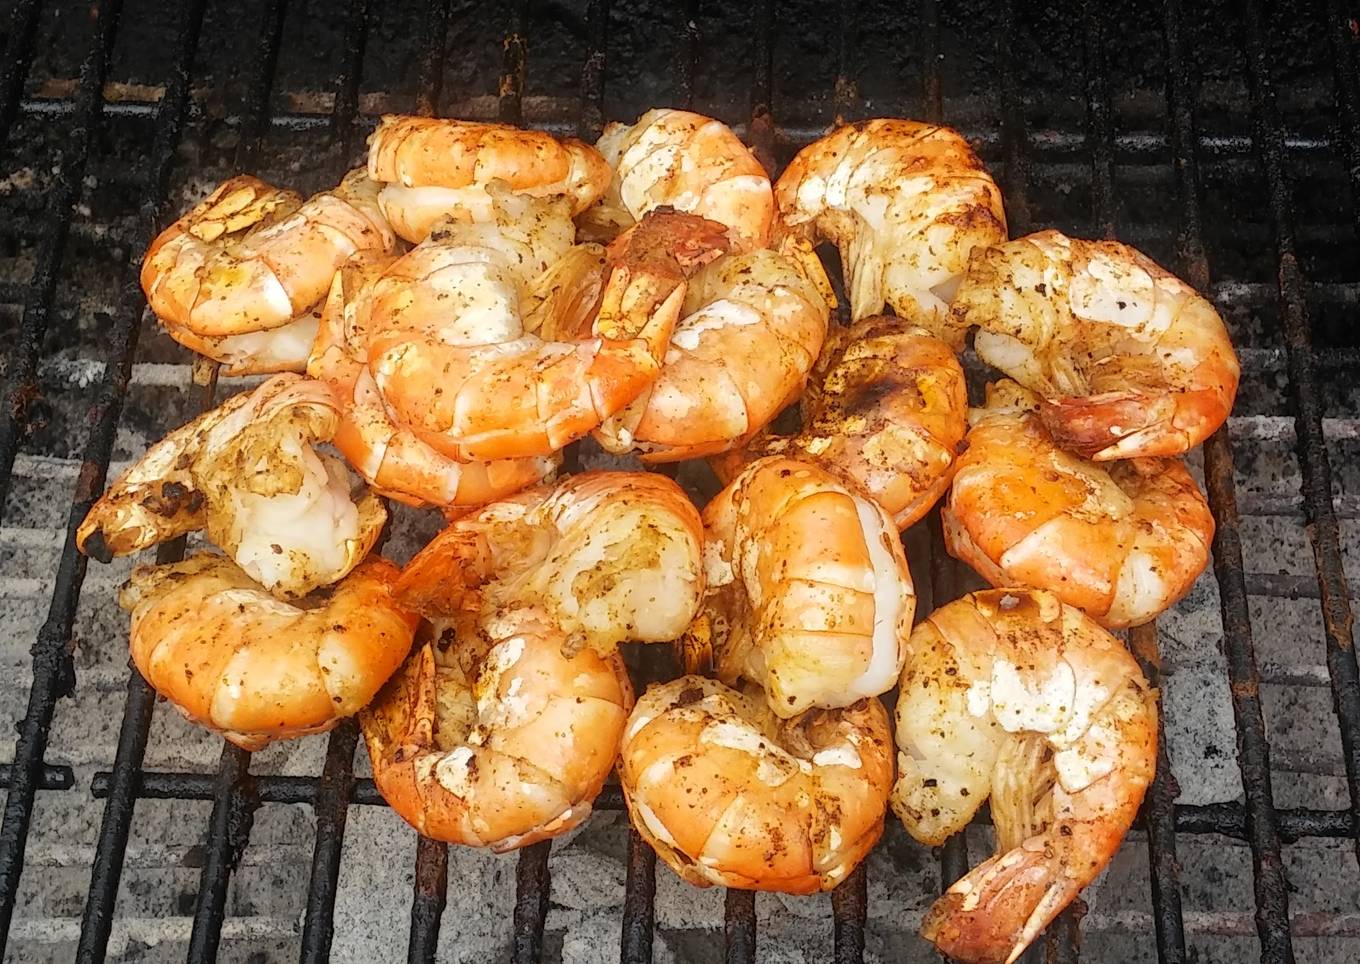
x=260, y=82
x=844, y=96
x=1323, y=531
x=14, y=67
x=1050, y=148
x=739, y=927
x=932, y=102
x=49, y=777
x=1099, y=123
x=688, y=60
x=430, y=70
x=1013, y=126
x=1228, y=819
x=1159, y=809
x=639, y=901
x=53, y=673
x=1159, y=816
x=1253, y=750
x=511, y=109
x=760, y=132
x=233, y=815
x=849, y=908
x=346, y=110
x=235, y=798
x=432, y=858
x=1341, y=20
x=427, y=904
x=140, y=703
x=332, y=808
x=23, y=357
x=591, y=124
x=532, y=884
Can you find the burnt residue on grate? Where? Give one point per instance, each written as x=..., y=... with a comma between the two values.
x=1224, y=142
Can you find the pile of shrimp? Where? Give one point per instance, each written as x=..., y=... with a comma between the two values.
x=476, y=298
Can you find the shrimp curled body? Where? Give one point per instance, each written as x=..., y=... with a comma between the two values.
x=905, y=202
x=727, y=793
x=809, y=593
x=453, y=361
x=1011, y=694
x=606, y=556
x=1122, y=541
x=235, y=659
x=688, y=162
x=389, y=456
x=237, y=277
x=431, y=168
x=248, y=473
x=1127, y=359
x=751, y=328
x=501, y=741
x=885, y=411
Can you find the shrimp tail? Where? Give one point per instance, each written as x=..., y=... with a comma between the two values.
x=1113, y=425
x=131, y=521
x=441, y=580
x=978, y=920
x=650, y=264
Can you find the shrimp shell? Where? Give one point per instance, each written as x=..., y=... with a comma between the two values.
x=1121, y=540
x=452, y=358
x=607, y=556
x=906, y=203
x=1011, y=694
x=431, y=168
x=885, y=411
x=498, y=743
x=728, y=794
x=751, y=328
x=688, y=162
x=251, y=258
x=247, y=473
x=1128, y=360
x=235, y=659
x=389, y=457
x=809, y=593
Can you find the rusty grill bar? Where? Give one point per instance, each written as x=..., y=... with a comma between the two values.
x=236, y=793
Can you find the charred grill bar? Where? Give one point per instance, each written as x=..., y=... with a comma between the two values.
x=236, y=793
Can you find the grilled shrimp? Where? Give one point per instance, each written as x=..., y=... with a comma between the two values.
x=606, y=556
x=728, y=793
x=450, y=353
x=254, y=260
x=1121, y=540
x=1011, y=694
x=906, y=203
x=388, y=456
x=247, y=472
x=431, y=168
x=885, y=411
x=688, y=162
x=1127, y=359
x=752, y=327
x=499, y=740
x=282, y=349
x=232, y=657
x=809, y=594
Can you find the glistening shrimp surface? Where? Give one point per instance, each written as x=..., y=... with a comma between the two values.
x=482, y=297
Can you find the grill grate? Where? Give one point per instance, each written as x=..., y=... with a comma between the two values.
x=235, y=793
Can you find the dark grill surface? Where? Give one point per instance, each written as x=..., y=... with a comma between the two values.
x=1223, y=139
